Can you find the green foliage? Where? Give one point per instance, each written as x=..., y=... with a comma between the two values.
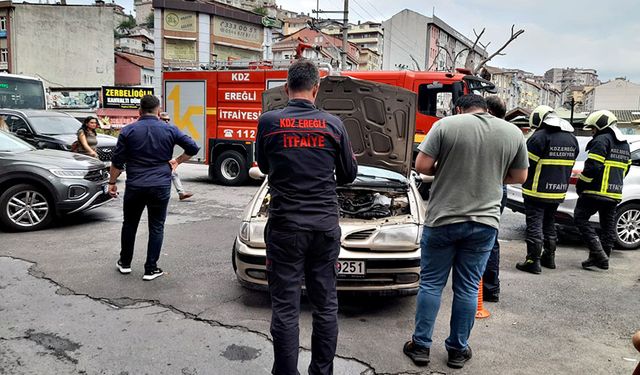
x=260, y=10
x=126, y=25
x=148, y=22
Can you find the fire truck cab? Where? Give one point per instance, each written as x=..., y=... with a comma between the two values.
x=219, y=109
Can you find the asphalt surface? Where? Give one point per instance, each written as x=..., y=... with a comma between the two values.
x=64, y=308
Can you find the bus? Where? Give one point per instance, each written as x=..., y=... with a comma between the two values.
x=21, y=92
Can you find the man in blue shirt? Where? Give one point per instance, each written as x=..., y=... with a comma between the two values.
x=145, y=147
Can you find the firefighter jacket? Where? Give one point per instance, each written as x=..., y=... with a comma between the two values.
x=552, y=154
x=607, y=163
x=305, y=152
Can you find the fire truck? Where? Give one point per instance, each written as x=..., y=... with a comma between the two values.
x=219, y=109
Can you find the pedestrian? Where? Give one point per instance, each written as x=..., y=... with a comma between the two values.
x=302, y=233
x=175, y=178
x=600, y=185
x=87, y=141
x=553, y=150
x=146, y=148
x=491, y=276
x=472, y=154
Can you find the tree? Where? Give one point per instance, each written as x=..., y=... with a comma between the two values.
x=470, y=62
x=148, y=21
x=126, y=25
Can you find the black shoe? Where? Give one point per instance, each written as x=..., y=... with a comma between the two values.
x=418, y=354
x=490, y=297
x=150, y=275
x=530, y=265
x=457, y=358
x=123, y=269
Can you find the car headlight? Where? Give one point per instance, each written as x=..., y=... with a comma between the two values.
x=398, y=236
x=244, y=234
x=64, y=147
x=68, y=173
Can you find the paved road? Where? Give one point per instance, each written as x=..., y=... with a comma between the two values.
x=197, y=319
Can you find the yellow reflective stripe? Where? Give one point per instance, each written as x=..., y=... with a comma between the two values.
x=596, y=157
x=605, y=179
x=536, y=177
x=617, y=164
x=533, y=156
x=544, y=195
x=585, y=178
x=604, y=194
x=567, y=162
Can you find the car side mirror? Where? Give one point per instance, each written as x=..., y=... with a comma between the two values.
x=256, y=174
x=22, y=132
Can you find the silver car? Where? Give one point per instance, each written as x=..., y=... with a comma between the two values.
x=381, y=213
x=628, y=212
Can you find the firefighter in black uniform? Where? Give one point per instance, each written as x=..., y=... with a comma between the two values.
x=305, y=152
x=553, y=150
x=600, y=186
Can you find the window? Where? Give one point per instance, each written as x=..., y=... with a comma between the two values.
x=4, y=55
x=148, y=79
x=3, y=23
x=435, y=99
x=15, y=123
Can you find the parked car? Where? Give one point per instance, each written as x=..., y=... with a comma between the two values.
x=628, y=212
x=38, y=185
x=381, y=213
x=54, y=130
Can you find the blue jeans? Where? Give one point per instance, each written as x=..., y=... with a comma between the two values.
x=156, y=200
x=465, y=247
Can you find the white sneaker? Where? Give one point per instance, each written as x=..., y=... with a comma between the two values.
x=150, y=275
x=123, y=270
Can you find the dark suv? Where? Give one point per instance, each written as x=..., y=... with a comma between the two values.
x=54, y=130
x=37, y=185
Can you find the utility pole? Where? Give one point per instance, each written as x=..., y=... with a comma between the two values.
x=344, y=28
x=345, y=35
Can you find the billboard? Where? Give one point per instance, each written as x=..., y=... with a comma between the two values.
x=87, y=99
x=124, y=97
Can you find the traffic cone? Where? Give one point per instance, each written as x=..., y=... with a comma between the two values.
x=481, y=313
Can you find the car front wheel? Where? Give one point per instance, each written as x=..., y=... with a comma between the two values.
x=628, y=226
x=25, y=207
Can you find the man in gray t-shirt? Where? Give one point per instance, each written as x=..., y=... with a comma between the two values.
x=471, y=155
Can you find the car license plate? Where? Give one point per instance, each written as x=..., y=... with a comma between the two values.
x=351, y=268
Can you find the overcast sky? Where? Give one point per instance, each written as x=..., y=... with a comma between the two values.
x=603, y=35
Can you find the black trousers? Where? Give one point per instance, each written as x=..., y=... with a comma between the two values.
x=587, y=207
x=292, y=256
x=540, y=219
x=156, y=200
x=491, y=276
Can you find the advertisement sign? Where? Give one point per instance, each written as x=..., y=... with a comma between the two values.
x=175, y=20
x=124, y=97
x=237, y=30
x=177, y=49
x=74, y=99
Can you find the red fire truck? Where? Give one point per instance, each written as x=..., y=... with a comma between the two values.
x=220, y=108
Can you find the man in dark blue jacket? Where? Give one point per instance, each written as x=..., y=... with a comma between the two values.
x=305, y=152
x=146, y=148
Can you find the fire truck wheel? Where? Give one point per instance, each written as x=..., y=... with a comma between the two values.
x=230, y=168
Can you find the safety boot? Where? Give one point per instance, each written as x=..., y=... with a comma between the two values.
x=548, y=258
x=607, y=250
x=532, y=262
x=597, y=257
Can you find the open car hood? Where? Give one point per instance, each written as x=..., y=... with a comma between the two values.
x=380, y=119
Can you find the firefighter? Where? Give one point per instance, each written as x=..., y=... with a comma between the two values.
x=600, y=186
x=305, y=152
x=553, y=150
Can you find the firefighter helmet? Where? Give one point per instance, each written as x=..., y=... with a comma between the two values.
x=600, y=120
x=538, y=115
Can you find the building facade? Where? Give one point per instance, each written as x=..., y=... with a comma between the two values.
x=328, y=51
x=75, y=51
x=414, y=41
x=563, y=77
x=196, y=34
x=133, y=70
x=617, y=94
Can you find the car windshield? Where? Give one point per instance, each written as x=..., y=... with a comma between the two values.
x=52, y=125
x=9, y=143
x=371, y=174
